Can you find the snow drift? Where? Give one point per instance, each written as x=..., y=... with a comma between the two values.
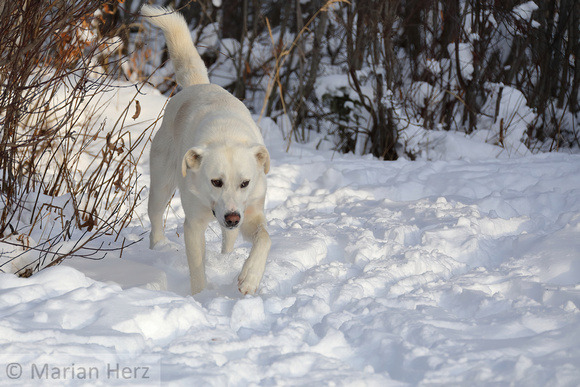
x=461, y=271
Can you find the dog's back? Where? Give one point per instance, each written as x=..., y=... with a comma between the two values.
x=188, y=65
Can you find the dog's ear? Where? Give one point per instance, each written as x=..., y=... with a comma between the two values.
x=263, y=157
x=191, y=160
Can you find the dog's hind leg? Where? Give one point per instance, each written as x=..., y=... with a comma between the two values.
x=229, y=237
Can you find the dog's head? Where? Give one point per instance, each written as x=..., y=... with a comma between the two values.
x=227, y=178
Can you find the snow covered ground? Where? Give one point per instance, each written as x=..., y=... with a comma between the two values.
x=460, y=271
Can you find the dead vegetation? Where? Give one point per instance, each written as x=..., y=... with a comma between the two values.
x=67, y=176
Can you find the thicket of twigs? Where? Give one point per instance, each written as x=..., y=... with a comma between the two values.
x=67, y=177
x=363, y=71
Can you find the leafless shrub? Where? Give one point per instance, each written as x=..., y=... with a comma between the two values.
x=67, y=177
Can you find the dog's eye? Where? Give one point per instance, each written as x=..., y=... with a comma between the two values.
x=218, y=183
x=245, y=183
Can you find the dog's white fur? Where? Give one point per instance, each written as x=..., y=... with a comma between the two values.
x=210, y=147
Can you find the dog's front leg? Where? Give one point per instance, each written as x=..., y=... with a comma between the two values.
x=228, y=239
x=254, y=230
x=195, y=250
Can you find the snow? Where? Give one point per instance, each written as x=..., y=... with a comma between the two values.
x=460, y=268
x=524, y=11
x=465, y=58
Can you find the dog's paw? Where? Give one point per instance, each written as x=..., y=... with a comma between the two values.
x=197, y=287
x=227, y=249
x=251, y=275
x=248, y=282
x=165, y=245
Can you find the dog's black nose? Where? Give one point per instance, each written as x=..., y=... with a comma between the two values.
x=232, y=219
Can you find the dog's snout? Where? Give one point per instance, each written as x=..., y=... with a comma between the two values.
x=232, y=219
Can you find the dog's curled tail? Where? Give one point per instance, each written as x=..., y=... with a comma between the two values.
x=188, y=65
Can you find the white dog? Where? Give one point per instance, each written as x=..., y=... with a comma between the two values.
x=210, y=147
